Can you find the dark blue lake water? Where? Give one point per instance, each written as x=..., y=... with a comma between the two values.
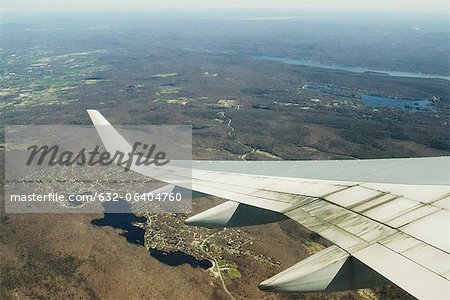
x=177, y=258
x=375, y=101
x=135, y=235
x=408, y=104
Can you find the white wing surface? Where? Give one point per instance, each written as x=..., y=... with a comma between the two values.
x=389, y=219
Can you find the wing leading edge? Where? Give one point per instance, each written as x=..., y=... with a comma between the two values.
x=396, y=230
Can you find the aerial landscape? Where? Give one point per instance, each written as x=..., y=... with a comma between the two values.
x=255, y=85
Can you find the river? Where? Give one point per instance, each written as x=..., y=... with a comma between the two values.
x=307, y=63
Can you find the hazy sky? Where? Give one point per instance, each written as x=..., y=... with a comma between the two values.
x=380, y=5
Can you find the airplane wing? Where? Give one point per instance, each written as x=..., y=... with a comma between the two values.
x=388, y=219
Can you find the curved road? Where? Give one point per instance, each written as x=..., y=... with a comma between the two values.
x=216, y=264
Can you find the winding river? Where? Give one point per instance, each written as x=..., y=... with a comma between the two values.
x=307, y=63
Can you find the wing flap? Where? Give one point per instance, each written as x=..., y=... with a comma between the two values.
x=425, y=255
x=405, y=273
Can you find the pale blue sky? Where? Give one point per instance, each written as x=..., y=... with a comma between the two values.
x=374, y=5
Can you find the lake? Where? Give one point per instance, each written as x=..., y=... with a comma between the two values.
x=408, y=104
x=135, y=234
x=307, y=63
x=177, y=258
x=375, y=101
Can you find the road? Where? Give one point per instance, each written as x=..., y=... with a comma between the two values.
x=216, y=264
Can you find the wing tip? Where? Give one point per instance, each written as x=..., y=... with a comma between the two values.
x=97, y=118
